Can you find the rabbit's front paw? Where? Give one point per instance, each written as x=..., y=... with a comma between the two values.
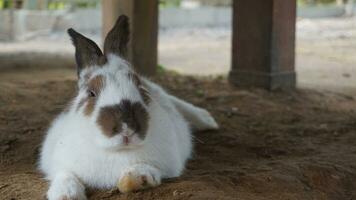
x=139, y=178
x=66, y=187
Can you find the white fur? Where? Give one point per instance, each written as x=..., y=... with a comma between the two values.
x=76, y=153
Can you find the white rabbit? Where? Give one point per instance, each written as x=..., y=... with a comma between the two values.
x=121, y=130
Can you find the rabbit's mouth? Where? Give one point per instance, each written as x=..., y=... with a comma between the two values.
x=120, y=141
x=130, y=141
x=128, y=147
x=128, y=136
x=126, y=140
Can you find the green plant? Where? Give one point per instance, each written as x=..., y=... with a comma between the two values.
x=6, y=4
x=61, y=4
x=315, y=2
x=160, y=69
x=169, y=3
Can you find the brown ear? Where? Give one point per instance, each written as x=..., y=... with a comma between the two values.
x=87, y=53
x=117, y=39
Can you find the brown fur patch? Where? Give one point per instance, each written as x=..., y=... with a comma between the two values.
x=145, y=95
x=95, y=84
x=110, y=120
x=133, y=114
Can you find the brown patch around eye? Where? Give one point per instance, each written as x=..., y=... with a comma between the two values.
x=96, y=84
x=143, y=91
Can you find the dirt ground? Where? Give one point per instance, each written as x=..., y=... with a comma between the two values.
x=298, y=145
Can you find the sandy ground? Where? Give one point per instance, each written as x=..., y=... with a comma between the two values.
x=283, y=145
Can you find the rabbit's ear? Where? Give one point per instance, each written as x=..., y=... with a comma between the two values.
x=117, y=39
x=87, y=53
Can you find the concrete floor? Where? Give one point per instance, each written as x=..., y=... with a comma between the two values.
x=325, y=60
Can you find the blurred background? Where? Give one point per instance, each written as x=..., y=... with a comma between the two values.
x=194, y=37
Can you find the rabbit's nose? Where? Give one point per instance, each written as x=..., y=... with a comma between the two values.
x=126, y=130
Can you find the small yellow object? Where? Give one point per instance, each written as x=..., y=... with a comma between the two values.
x=130, y=183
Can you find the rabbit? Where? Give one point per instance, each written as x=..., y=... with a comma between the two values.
x=121, y=129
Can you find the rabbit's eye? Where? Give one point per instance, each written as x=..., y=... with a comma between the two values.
x=91, y=93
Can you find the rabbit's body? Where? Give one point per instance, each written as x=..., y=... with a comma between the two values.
x=120, y=130
x=167, y=145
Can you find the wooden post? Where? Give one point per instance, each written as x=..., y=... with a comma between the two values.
x=143, y=16
x=263, y=46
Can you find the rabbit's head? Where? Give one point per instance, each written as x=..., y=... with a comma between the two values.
x=111, y=96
